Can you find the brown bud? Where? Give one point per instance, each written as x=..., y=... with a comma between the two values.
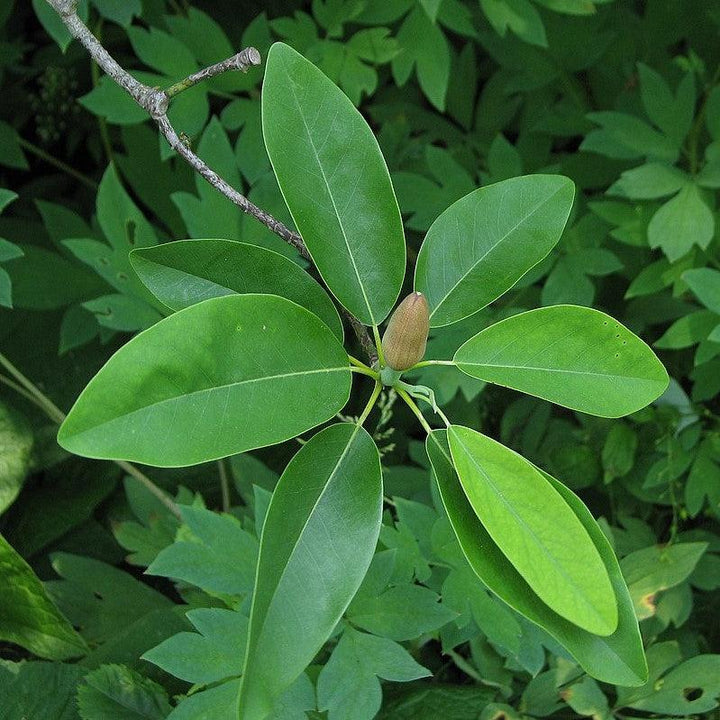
x=406, y=334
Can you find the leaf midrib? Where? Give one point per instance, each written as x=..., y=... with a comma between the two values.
x=216, y=388
x=512, y=511
x=493, y=247
x=332, y=200
x=613, y=376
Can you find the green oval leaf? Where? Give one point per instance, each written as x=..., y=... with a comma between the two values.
x=336, y=184
x=573, y=356
x=485, y=242
x=535, y=529
x=186, y=272
x=618, y=658
x=16, y=444
x=317, y=543
x=218, y=378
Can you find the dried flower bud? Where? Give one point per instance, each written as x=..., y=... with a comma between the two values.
x=406, y=334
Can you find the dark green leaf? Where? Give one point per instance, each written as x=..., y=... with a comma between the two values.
x=485, y=242
x=338, y=192
x=232, y=357
x=318, y=539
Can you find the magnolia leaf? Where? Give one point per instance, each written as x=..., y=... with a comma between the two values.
x=536, y=530
x=485, y=242
x=336, y=184
x=318, y=540
x=186, y=272
x=573, y=356
x=235, y=359
x=617, y=658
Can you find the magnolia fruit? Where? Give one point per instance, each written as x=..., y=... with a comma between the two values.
x=406, y=334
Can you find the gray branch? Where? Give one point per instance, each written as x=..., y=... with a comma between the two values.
x=156, y=102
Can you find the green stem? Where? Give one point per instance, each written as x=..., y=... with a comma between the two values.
x=20, y=391
x=415, y=409
x=425, y=363
x=58, y=416
x=59, y=164
x=696, y=130
x=224, y=484
x=371, y=403
x=365, y=371
x=378, y=345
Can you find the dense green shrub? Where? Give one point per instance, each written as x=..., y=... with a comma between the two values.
x=120, y=600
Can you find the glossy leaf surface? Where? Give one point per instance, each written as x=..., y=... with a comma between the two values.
x=573, y=356
x=318, y=540
x=485, y=242
x=535, y=529
x=336, y=184
x=186, y=272
x=616, y=658
x=210, y=381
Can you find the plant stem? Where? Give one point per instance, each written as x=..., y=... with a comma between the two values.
x=371, y=403
x=59, y=164
x=20, y=391
x=415, y=409
x=425, y=363
x=378, y=345
x=696, y=130
x=365, y=371
x=58, y=416
x=224, y=484
x=242, y=61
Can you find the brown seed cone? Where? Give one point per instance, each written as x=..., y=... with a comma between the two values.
x=406, y=334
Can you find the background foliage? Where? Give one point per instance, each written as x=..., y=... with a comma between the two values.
x=622, y=97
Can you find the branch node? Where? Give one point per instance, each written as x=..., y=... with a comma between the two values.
x=248, y=56
x=66, y=8
x=156, y=102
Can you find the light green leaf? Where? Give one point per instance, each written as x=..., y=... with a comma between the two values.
x=216, y=703
x=705, y=283
x=648, y=182
x=485, y=242
x=617, y=658
x=536, y=530
x=650, y=570
x=16, y=443
x=425, y=47
x=626, y=136
x=402, y=612
x=673, y=114
x=573, y=356
x=186, y=272
x=691, y=688
x=217, y=554
x=318, y=540
x=339, y=192
x=680, y=223
x=348, y=685
x=688, y=330
x=29, y=617
x=212, y=654
x=234, y=358
x=116, y=691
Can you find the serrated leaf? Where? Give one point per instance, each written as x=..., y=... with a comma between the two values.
x=255, y=349
x=573, y=356
x=186, y=272
x=318, y=540
x=348, y=686
x=618, y=658
x=339, y=193
x=218, y=555
x=30, y=618
x=212, y=654
x=116, y=691
x=485, y=242
x=536, y=530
